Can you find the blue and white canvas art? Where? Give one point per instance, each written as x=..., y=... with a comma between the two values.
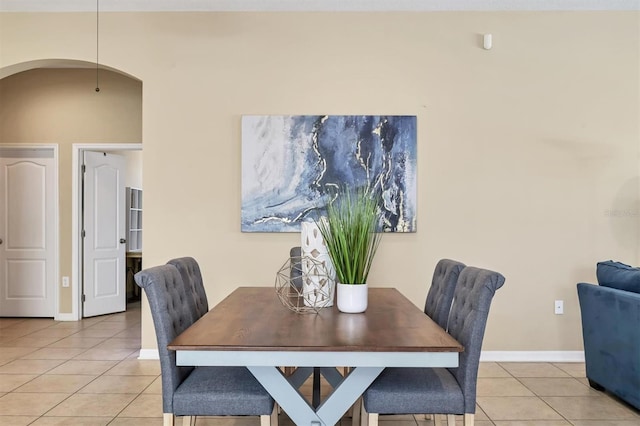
x=293, y=164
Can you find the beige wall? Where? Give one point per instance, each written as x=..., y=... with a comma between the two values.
x=134, y=169
x=527, y=152
x=61, y=106
x=133, y=172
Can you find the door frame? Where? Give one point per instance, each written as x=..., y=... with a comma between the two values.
x=77, y=155
x=56, y=219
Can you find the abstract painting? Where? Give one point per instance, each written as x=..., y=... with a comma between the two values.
x=293, y=164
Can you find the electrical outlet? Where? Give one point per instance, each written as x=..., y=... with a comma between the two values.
x=65, y=281
x=559, y=307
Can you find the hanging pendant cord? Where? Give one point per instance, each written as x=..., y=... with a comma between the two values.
x=97, y=45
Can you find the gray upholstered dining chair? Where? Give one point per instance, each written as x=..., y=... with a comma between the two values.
x=450, y=391
x=199, y=391
x=192, y=278
x=440, y=295
x=438, y=302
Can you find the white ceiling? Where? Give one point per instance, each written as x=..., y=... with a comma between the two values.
x=310, y=5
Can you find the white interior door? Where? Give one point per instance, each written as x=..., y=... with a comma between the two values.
x=104, y=234
x=28, y=232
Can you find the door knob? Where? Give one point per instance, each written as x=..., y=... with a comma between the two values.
x=122, y=240
x=0, y=240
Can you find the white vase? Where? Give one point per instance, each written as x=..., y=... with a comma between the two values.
x=317, y=269
x=352, y=298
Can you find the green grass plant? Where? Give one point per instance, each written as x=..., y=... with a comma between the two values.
x=350, y=232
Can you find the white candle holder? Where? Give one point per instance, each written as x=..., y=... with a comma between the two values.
x=317, y=286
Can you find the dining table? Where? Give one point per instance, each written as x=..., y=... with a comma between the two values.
x=253, y=329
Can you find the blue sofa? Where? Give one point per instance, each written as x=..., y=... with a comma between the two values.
x=611, y=330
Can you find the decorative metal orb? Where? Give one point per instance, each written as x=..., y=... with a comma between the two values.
x=304, y=285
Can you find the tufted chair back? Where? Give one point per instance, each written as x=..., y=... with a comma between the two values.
x=192, y=279
x=171, y=314
x=467, y=321
x=440, y=296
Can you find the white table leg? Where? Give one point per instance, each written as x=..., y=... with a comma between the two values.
x=330, y=410
x=347, y=393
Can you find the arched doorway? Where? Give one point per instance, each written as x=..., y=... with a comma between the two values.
x=54, y=102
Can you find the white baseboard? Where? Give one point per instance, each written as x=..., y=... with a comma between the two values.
x=149, y=354
x=532, y=356
x=485, y=356
x=65, y=317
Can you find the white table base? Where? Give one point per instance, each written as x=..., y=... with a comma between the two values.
x=366, y=366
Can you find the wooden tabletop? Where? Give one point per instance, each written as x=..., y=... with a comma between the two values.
x=253, y=319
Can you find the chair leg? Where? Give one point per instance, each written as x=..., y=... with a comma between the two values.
x=437, y=419
x=188, y=420
x=451, y=420
x=274, y=414
x=468, y=419
x=373, y=419
x=272, y=419
x=355, y=412
x=367, y=419
x=167, y=419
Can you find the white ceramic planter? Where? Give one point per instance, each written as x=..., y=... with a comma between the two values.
x=352, y=298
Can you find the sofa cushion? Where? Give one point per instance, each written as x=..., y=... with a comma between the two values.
x=618, y=275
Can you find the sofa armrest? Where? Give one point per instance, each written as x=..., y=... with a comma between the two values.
x=611, y=334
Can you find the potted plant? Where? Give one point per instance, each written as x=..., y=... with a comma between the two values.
x=350, y=232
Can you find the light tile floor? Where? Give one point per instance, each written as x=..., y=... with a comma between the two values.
x=87, y=373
